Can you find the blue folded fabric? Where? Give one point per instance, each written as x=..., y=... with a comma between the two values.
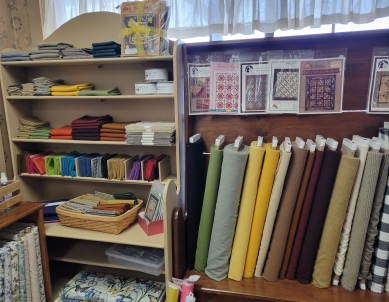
x=106, y=56
x=105, y=43
x=10, y=59
x=84, y=164
x=12, y=54
x=106, y=51
x=105, y=47
x=68, y=164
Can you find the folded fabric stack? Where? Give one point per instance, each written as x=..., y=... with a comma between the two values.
x=100, y=165
x=9, y=56
x=63, y=132
x=114, y=131
x=40, y=133
x=49, y=210
x=14, y=90
x=84, y=164
x=106, y=287
x=109, y=49
x=151, y=133
x=116, y=167
x=49, y=51
x=68, y=164
x=69, y=90
x=42, y=86
x=53, y=163
x=88, y=92
x=75, y=53
x=136, y=171
x=28, y=124
x=28, y=89
x=88, y=127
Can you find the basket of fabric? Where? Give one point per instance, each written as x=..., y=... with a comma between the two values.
x=71, y=216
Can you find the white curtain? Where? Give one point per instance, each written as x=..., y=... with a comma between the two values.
x=196, y=18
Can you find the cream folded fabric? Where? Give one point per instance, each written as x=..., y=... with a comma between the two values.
x=336, y=213
x=246, y=211
x=261, y=204
x=275, y=197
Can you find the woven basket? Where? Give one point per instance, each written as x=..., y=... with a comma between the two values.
x=112, y=225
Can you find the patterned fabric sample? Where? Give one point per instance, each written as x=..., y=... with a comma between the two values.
x=384, y=89
x=227, y=91
x=320, y=92
x=2, y=274
x=286, y=84
x=93, y=287
x=256, y=92
x=380, y=259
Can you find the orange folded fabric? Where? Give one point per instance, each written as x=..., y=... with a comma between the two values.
x=117, y=135
x=61, y=137
x=115, y=139
x=64, y=130
x=102, y=130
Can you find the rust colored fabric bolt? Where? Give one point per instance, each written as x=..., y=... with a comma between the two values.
x=64, y=130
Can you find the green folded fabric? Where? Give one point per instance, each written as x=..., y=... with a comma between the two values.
x=53, y=164
x=88, y=92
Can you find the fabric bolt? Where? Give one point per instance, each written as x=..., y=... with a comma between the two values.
x=35, y=231
x=34, y=273
x=380, y=259
x=195, y=175
x=208, y=209
x=27, y=269
x=332, y=229
x=2, y=276
x=372, y=229
x=361, y=153
x=14, y=270
x=21, y=268
x=361, y=216
x=285, y=212
x=227, y=204
x=297, y=212
x=318, y=215
x=260, y=208
x=7, y=273
x=274, y=201
x=304, y=215
x=246, y=211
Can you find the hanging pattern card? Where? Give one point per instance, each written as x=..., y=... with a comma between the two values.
x=379, y=85
x=254, y=78
x=199, y=83
x=224, y=88
x=284, y=86
x=321, y=86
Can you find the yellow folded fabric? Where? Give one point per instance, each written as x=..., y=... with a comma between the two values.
x=69, y=88
x=246, y=210
x=261, y=204
x=64, y=93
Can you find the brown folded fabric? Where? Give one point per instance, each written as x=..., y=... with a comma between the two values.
x=116, y=135
x=117, y=125
x=113, y=139
x=103, y=130
x=61, y=137
x=64, y=130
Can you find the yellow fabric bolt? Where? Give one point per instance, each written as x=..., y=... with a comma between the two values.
x=71, y=88
x=261, y=205
x=245, y=216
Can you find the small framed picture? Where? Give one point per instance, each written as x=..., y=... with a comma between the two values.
x=378, y=98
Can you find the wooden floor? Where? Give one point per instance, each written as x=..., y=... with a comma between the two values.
x=258, y=289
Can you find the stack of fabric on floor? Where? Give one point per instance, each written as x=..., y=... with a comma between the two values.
x=76, y=53
x=9, y=56
x=14, y=90
x=88, y=127
x=63, y=132
x=109, y=49
x=28, y=124
x=28, y=89
x=151, y=133
x=69, y=90
x=42, y=86
x=114, y=131
x=49, y=51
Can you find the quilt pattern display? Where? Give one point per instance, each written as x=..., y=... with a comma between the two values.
x=320, y=92
x=256, y=92
x=199, y=88
x=286, y=84
x=227, y=91
x=383, y=96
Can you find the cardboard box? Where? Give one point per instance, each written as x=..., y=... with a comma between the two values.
x=152, y=228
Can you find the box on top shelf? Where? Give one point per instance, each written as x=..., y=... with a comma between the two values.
x=144, y=259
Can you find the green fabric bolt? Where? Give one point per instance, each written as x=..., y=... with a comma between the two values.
x=208, y=209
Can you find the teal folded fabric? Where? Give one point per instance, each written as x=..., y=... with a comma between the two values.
x=88, y=92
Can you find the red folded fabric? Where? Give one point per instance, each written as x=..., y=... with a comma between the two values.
x=151, y=167
x=61, y=137
x=64, y=130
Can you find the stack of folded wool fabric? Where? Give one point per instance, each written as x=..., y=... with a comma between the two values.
x=151, y=133
x=40, y=133
x=114, y=131
x=28, y=124
x=69, y=90
x=75, y=53
x=14, y=55
x=42, y=86
x=49, y=50
x=88, y=92
x=109, y=49
x=14, y=90
x=28, y=89
x=63, y=132
x=88, y=127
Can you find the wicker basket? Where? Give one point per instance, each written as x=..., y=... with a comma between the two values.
x=113, y=225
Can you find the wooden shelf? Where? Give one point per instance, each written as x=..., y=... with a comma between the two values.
x=258, y=289
x=103, y=97
x=81, y=142
x=133, y=235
